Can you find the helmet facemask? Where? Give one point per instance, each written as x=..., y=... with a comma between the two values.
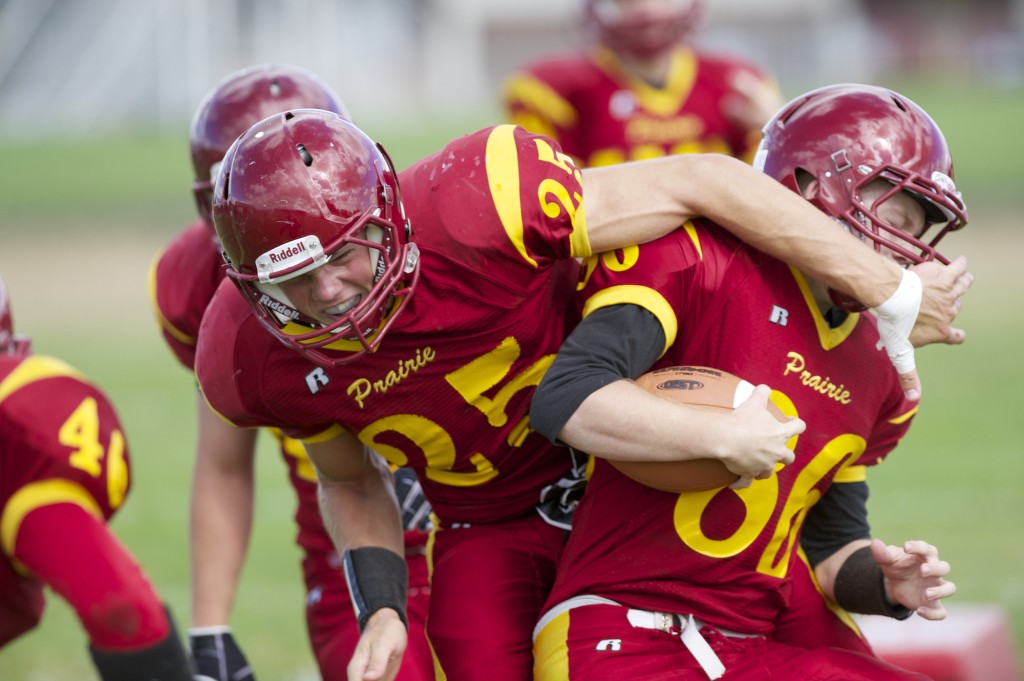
x=942, y=203
x=846, y=137
x=366, y=316
x=342, y=193
x=943, y=208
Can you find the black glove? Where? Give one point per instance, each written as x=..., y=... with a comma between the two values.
x=216, y=656
x=415, y=507
x=558, y=501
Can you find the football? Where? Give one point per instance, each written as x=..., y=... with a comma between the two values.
x=702, y=388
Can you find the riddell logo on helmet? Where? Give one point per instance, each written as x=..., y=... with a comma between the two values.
x=296, y=248
x=288, y=258
x=278, y=307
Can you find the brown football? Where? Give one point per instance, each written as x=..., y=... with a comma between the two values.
x=703, y=388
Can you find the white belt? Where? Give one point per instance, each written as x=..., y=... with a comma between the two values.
x=689, y=633
x=686, y=625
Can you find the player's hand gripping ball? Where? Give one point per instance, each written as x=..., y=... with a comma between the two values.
x=700, y=388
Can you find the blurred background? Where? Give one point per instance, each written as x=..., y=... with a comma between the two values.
x=95, y=102
x=92, y=66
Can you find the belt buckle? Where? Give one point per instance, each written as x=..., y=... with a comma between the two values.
x=672, y=623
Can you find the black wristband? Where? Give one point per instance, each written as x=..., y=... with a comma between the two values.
x=377, y=578
x=860, y=587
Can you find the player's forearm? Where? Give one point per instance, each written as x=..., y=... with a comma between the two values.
x=751, y=205
x=781, y=223
x=221, y=524
x=362, y=512
x=623, y=422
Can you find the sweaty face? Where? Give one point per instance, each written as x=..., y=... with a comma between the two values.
x=326, y=293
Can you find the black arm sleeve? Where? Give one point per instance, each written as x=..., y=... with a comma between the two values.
x=841, y=516
x=615, y=342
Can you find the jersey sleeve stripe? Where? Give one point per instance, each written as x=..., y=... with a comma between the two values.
x=537, y=95
x=647, y=298
x=502, y=162
x=329, y=434
x=36, y=495
x=851, y=474
x=36, y=368
x=176, y=333
x=903, y=418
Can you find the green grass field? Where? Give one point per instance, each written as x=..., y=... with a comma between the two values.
x=82, y=220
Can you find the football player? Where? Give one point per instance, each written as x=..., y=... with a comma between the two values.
x=690, y=585
x=183, y=279
x=643, y=89
x=414, y=315
x=66, y=471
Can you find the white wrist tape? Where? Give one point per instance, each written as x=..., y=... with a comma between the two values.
x=896, y=318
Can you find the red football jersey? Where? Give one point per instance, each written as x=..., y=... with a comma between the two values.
x=602, y=114
x=495, y=216
x=182, y=281
x=60, y=442
x=724, y=555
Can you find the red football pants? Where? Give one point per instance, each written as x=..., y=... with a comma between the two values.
x=598, y=642
x=811, y=621
x=488, y=586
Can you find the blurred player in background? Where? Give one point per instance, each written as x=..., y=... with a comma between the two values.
x=643, y=90
x=431, y=304
x=182, y=281
x=690, y=585
x=64, y=471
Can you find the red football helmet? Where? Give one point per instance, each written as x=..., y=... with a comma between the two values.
x=292, y=191
x=240, y=100
x=643, y=28
x=846, y=136
x=9, y=343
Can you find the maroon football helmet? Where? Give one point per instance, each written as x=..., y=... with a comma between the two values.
x=9, y=343
x=292, y=191
x=846, y=136
x=643, y=30
x=240, y=100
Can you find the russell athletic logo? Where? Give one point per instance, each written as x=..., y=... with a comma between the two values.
x=290, y=259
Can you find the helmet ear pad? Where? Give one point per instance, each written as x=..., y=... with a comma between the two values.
x=807, y=185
